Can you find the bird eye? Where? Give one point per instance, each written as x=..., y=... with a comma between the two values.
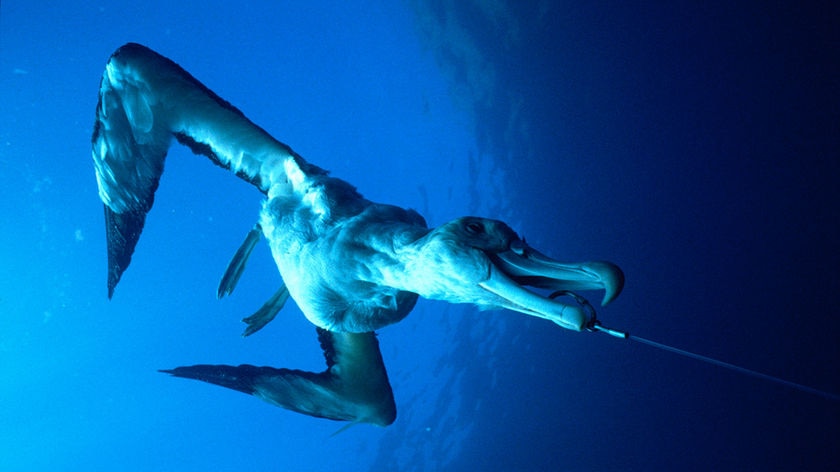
x=475, y=228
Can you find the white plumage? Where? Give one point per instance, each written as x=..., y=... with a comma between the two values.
x=353, y=266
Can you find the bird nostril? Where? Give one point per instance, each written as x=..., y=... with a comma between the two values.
x=518, y=247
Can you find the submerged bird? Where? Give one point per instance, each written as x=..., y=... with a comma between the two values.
x=353, y=266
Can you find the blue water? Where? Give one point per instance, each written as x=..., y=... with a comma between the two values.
x=697, y=146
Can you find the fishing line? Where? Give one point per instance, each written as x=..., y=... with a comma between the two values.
x=595, y=325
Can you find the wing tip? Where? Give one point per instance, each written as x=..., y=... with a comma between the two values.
x=122, y=232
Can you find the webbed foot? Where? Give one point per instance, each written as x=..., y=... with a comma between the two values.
x=267, y=312
x=237, y=264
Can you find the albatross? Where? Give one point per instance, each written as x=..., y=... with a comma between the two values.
x=353, y=266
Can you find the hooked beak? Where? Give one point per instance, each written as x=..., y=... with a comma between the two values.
x=522, y=265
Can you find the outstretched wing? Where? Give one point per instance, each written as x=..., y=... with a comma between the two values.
x=354, y=387
x=145, y=100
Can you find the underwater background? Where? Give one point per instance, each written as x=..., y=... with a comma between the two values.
x=695, y=144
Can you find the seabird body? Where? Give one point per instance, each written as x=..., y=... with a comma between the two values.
x=353, y=266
